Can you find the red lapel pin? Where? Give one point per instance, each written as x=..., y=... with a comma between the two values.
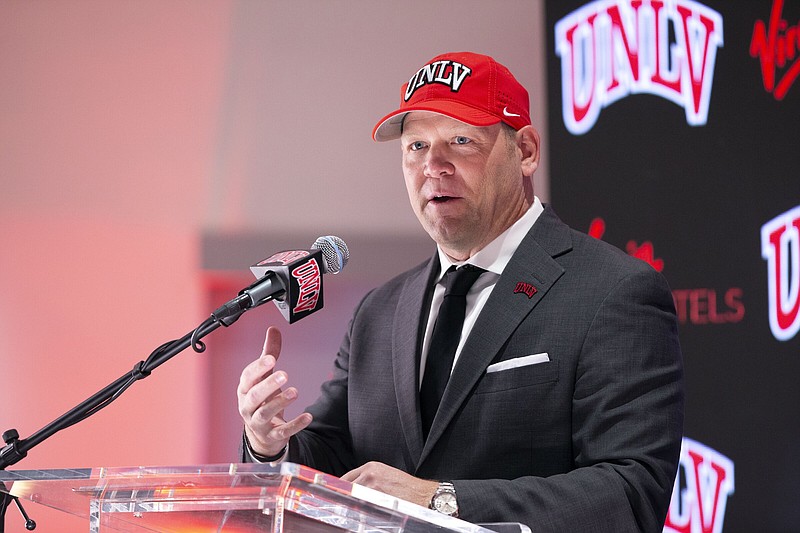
x=525, y=288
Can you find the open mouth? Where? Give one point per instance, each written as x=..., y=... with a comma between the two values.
x=442, y=199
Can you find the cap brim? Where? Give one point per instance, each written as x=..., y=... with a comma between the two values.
x=391, y=126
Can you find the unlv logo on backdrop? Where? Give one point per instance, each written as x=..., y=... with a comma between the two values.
x=701, y=491
x=780, y=246
x=610, y=49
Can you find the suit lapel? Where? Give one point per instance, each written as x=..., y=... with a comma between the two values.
x=412, y=307
x=533, y=264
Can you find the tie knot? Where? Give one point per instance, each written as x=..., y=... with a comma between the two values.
x=457, y=281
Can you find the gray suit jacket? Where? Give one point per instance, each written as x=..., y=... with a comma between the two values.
x=588, y=441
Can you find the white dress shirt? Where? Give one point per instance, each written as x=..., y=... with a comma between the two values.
x=493, y=258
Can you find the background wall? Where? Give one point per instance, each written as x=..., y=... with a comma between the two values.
x=151, y=151
x=684, y=153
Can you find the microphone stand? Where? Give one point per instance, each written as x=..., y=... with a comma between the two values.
x=16, y=449
x=330, y=250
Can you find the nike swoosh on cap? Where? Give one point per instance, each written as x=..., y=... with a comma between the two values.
x=507, y=113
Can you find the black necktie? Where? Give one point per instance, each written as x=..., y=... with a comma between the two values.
x=444, y=341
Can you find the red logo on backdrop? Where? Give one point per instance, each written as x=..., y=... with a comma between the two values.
x=695, y=306
x=780, y=246
x=777, y=46
x=701, y=491
x=610, y=49
x=309, y=279
x=707, y=306
x=644, y=251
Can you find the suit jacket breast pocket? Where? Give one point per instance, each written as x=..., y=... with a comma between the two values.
x=517, y=378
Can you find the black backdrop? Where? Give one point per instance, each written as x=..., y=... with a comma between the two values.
x=692, y=199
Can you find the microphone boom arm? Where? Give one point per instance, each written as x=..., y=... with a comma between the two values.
x=16, y=449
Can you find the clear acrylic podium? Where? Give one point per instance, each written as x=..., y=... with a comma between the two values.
x=235, y=498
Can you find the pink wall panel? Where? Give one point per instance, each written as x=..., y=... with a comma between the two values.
x=83, y=302
x=130, y=129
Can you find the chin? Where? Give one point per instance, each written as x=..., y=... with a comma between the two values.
x=457, y=246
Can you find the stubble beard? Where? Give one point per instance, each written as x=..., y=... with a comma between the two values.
x=458, y=237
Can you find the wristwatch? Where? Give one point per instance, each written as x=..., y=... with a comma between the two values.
x=444, y=500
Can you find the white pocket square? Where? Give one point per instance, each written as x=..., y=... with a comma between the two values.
x=518, y=362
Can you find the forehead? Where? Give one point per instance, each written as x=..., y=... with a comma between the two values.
x=417, y=122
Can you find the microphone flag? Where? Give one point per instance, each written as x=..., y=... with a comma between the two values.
x=300, y=271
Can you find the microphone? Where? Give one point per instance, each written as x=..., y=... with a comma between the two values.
x=292, y=279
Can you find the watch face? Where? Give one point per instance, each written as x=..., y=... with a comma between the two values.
x=446, y=503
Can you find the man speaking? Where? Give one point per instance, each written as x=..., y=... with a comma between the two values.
x=524, y=373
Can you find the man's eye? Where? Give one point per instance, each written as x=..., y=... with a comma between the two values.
x=461, y=140
x=418, y=145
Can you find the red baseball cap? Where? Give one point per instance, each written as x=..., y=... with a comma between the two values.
x=472, y=88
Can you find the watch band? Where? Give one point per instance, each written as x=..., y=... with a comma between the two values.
x=444, y=499
x=257, y=457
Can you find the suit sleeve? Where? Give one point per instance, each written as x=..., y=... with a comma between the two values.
x=627, y=425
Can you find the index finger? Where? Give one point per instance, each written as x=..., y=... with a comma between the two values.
x=262, y=367
x=272, y=343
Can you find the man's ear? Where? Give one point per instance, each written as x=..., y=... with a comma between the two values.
x=527, y=139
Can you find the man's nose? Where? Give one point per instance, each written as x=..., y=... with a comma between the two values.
x=437, y=163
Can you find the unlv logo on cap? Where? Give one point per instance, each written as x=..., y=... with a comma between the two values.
x=610, y=49
x=780, y=246
x=446, y=72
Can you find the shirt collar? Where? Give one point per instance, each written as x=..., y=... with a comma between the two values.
x=495, y=256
